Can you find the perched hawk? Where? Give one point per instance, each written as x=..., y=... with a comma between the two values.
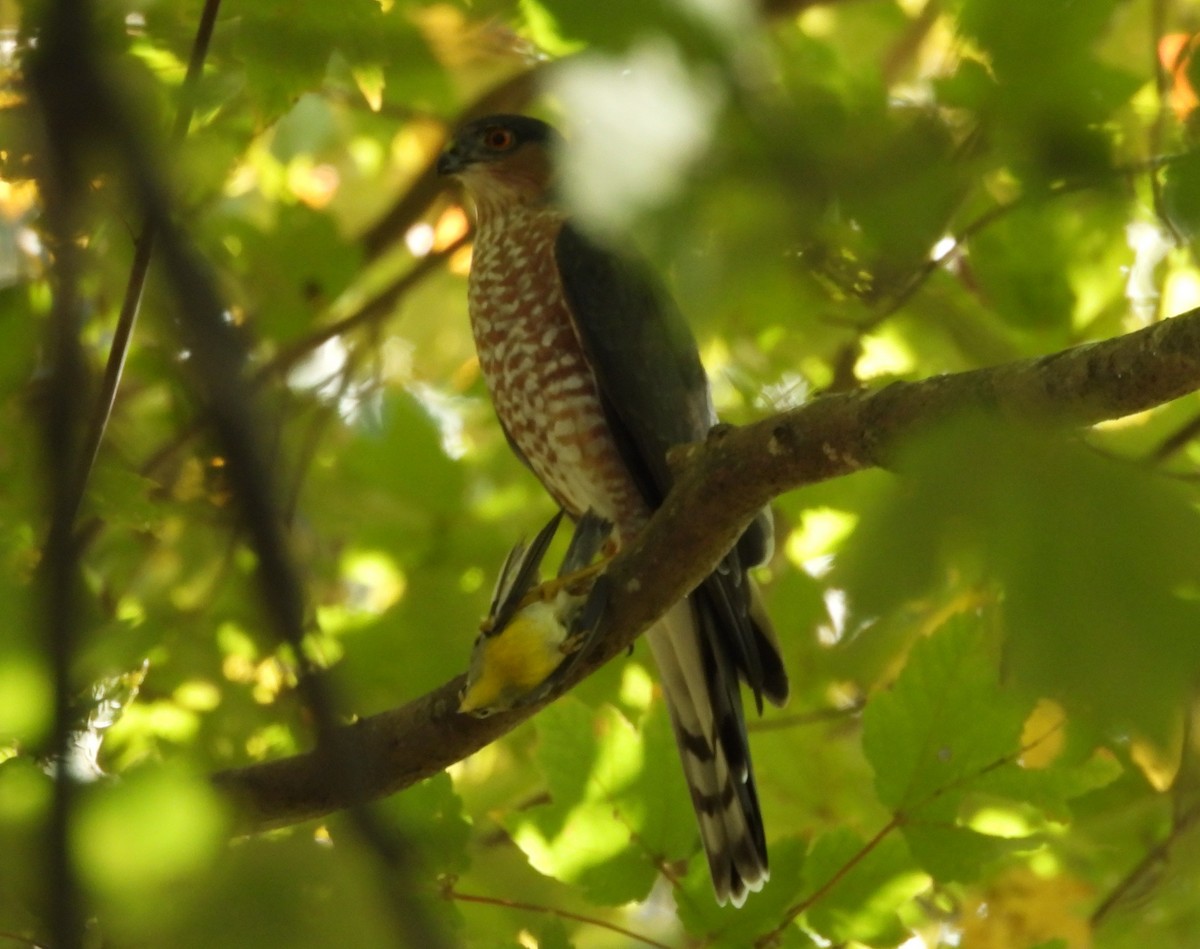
x=595, y=375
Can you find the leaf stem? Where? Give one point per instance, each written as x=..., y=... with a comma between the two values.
x=451, y=893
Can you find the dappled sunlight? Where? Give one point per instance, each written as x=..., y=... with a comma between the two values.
x=242, y=664
x=1181, y=289
x=1044, y=736
x=991, y=638
x=1002, y=822
x=447, y=410
x=371, y=583
x=1150, y=244
x=590, y=833
x=166, y=719
x=884, y=354
x=1159, y=760
x=315, y=184
x=820, y=534
x=329, y=374
x=637, y=687
x=588, y=838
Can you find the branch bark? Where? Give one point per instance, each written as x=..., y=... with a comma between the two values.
x=722, y=483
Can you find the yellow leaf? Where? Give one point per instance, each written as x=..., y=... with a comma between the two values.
x=1043, y=737
x=1158, y=763
x=1023, y=909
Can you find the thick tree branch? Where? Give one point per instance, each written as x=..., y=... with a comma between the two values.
x=722, y=484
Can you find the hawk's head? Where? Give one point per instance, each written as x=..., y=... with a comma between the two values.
x=502, y=155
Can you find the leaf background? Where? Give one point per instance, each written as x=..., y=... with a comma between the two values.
x=993, y=569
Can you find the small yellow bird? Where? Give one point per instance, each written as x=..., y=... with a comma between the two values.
x=532, y=629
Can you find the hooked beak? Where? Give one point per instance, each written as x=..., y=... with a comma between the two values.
x=452, y=160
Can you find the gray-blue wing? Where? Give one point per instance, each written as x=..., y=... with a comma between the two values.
x=656, y=396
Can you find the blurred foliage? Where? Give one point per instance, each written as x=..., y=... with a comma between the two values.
x=864, y=192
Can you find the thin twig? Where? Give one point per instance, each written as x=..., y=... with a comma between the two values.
x=1153, y=858
x=370, y=312
x=778, y=723
x=900, y=819
x=919, y=277
x=1163, y=77
x=902, y=52
x=451, y=893
x=1174, y=442
x=835, y=878
x=144, y=249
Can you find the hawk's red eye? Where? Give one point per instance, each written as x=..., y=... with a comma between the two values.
x=499, y=139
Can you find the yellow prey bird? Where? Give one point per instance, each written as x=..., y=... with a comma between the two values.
x=531, y=629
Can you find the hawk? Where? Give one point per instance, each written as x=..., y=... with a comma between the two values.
x=594, y=375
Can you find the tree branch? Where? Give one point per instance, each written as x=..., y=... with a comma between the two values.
x=722, y=484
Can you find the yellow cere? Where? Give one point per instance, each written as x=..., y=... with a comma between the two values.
x=507, y=666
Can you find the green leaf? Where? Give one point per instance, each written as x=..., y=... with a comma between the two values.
x=1094, y=560
x=1022, y=261
x=430, y=817
x=872, y=883
x=933, y=737
x=730, y=927
x=944, y=722
x=550, y=933
x=586, y=834
x=659, y=797
x=1052, y=788
x=397, y=475
x=292, y=268
x=945, y=738
x=134, y=871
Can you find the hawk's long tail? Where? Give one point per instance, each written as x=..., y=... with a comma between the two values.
x=702, y=647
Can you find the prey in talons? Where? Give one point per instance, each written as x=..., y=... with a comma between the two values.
x=536, y=632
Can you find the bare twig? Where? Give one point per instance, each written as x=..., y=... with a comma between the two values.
x=144, y=249
x=1163, y=77
x=778, y=723
x=451, y=893
x=899, y=820
x=771, y=938
x=369, y=313
x=1154, y=858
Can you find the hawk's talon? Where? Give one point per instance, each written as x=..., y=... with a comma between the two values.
x=575, y=583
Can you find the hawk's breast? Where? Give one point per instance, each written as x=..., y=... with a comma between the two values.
x=544, y=391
